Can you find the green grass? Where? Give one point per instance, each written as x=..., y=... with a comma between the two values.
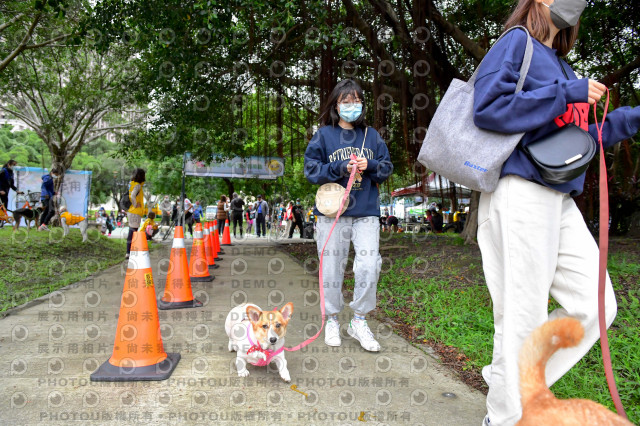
x=37, y=263
x=460, y=316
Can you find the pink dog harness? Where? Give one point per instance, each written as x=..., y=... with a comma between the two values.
x=257, y=348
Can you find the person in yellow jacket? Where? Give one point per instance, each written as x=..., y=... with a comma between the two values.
x=136, y=210
x=67, y=219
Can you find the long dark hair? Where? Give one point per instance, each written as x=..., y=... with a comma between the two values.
x=528, y=13
x=138, y=176
x=11, y=162
x=329, y=115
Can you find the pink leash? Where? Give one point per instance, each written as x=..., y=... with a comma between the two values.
x=604, y=250
x=352, y=177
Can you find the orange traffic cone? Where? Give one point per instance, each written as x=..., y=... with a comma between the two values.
x=216, y=239
x=177, y=289
x=208, y=250
x=226, y=235
x=198, y=267
x=138, y=352
x=211, y=242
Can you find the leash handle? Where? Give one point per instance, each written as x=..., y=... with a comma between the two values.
x=602, y=276
x=352, y=177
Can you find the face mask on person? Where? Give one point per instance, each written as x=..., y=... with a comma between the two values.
x=350, y=112
x=54, y=176
x=566, y=13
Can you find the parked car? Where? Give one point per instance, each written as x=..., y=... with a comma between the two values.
x=211, y=212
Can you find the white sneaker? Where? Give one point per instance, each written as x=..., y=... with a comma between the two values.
x=359, y=330
x=332, y=333
x=43, y=227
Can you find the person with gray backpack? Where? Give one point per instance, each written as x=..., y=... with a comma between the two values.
x=532, y=236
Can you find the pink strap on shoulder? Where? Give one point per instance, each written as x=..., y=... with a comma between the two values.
x=352, y=177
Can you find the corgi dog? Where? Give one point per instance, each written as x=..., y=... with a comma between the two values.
x=539, y=405
x=257, y=336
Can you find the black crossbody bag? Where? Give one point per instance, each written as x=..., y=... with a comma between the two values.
x=563, y=154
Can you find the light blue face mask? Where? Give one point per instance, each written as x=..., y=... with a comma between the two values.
x=350, y=112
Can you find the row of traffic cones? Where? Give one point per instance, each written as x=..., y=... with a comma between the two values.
x=138, y=351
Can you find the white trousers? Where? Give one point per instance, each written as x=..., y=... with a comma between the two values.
x=534, y=244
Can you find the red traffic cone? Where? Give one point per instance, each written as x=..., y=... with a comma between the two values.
x=208, y=250
x=177, y=289
x=216, y=240
x=226, y=235
x=198, y=267
x=138, y=352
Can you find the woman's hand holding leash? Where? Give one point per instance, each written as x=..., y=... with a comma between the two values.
x=596, y=90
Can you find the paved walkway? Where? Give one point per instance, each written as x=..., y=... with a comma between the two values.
x=49, y=348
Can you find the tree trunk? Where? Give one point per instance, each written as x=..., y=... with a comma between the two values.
x=230, y=186
x=471, y=227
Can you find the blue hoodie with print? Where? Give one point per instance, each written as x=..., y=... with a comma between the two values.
x=326, y=159
x=548, y=100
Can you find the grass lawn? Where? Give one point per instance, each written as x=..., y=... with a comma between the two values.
x=37, y=263
x=434, y=291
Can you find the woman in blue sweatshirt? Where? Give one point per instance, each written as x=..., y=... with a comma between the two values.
x=533, y=238
x=326, y=160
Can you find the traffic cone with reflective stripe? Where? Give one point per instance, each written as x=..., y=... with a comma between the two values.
x=226, y=235
x=138, y=352
x=198, y=267
x=216, y=239
x=211, y=242
x=208, y=250
x=178, y=293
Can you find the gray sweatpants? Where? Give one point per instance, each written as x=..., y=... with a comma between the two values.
x=364, y=232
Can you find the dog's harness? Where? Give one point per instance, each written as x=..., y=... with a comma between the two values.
x=257, y=348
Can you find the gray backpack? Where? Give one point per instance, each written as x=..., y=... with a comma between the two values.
x=456, y=148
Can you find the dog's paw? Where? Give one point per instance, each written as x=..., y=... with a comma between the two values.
x=243, y=373
x=285, y=375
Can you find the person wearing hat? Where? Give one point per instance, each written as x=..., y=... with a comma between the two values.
x=262, y=211
x=297, y=219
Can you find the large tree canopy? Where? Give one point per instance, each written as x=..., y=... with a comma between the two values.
x=247, y=77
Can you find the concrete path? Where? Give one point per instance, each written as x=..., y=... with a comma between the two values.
x=49, y=347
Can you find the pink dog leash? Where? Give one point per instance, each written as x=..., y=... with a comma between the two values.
x=352, y=177
x=603, y=241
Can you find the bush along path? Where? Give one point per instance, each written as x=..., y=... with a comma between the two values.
x=433, y=290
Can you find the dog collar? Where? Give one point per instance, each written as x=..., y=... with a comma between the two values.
x=257, y=348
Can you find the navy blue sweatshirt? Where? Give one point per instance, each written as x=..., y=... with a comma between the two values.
x=547, y=101
x=327, y=157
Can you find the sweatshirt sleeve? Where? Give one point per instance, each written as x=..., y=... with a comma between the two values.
x=315, y=169
x=380, y=168
x=620, y=124
x=496, y=104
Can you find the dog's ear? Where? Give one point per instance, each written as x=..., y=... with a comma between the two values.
x=253, y=313
x=287, y=311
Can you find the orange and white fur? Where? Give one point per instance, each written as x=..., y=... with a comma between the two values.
x=247, y=324
x=539, y=405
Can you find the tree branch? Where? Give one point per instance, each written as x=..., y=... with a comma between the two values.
x=5, y=63
x=11, y=22
x=615, y=76
x=455, y=32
